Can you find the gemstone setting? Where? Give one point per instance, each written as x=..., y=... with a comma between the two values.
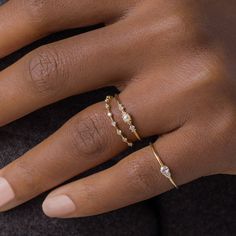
x=165, y=171
x=132, y=128
x=126, y=117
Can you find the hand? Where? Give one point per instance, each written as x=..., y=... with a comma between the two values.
x=174, y=63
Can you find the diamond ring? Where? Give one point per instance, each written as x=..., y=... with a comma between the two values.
x=165, y=170
x=114, y=123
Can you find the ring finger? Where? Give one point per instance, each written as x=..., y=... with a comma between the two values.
x=134, y=179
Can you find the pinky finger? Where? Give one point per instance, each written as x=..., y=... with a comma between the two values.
x=135, y=178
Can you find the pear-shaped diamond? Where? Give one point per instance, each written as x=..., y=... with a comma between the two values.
x=165, y=171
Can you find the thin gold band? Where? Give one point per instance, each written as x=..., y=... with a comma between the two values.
x=127, y=118
x=164, y=169
x=114, y=123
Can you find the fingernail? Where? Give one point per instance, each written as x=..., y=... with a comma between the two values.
x=6, y=192
x=58, y=206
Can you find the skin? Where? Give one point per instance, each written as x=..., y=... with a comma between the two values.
x=174, y=63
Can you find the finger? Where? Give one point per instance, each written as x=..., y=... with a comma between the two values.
x=62, y=69
x=22, y=22
x=75, y=65
x=87, y=140
x=135, y=178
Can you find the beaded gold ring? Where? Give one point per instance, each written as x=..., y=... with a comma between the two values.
x=126, y=117
x=114, y=123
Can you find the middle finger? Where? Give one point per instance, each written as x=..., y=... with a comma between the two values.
x=65, y=68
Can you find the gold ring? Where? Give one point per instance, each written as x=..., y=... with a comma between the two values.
x=127, y=118
x=165, y=170
x=114, y=123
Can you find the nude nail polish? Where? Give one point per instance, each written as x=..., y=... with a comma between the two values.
x=6, y=192
x=58, y=206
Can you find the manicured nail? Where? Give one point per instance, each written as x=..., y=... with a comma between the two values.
x=58, y=206
x=6, y=192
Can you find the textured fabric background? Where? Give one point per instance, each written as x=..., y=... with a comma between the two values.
x=203, y=208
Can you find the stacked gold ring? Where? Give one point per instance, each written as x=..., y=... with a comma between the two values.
x=114, y=123
x=126, y=117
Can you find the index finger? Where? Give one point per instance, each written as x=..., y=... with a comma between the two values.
x=22, y=22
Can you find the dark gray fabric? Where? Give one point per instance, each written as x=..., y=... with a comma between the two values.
x=206, y=207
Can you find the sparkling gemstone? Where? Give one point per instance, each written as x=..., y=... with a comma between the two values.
x=120, y=107
x=126, y=117
x=125, y=139
x=113, y=123
x=109, y=114
x=119, y=131
x=107, y=98
x=165, y=171
x=132, y=128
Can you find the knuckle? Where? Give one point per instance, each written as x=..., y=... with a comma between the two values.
x=184, y=27
x=141, y=176
x=88, y=135
x=208, y=76
x=43, y=69
x=185, y=32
